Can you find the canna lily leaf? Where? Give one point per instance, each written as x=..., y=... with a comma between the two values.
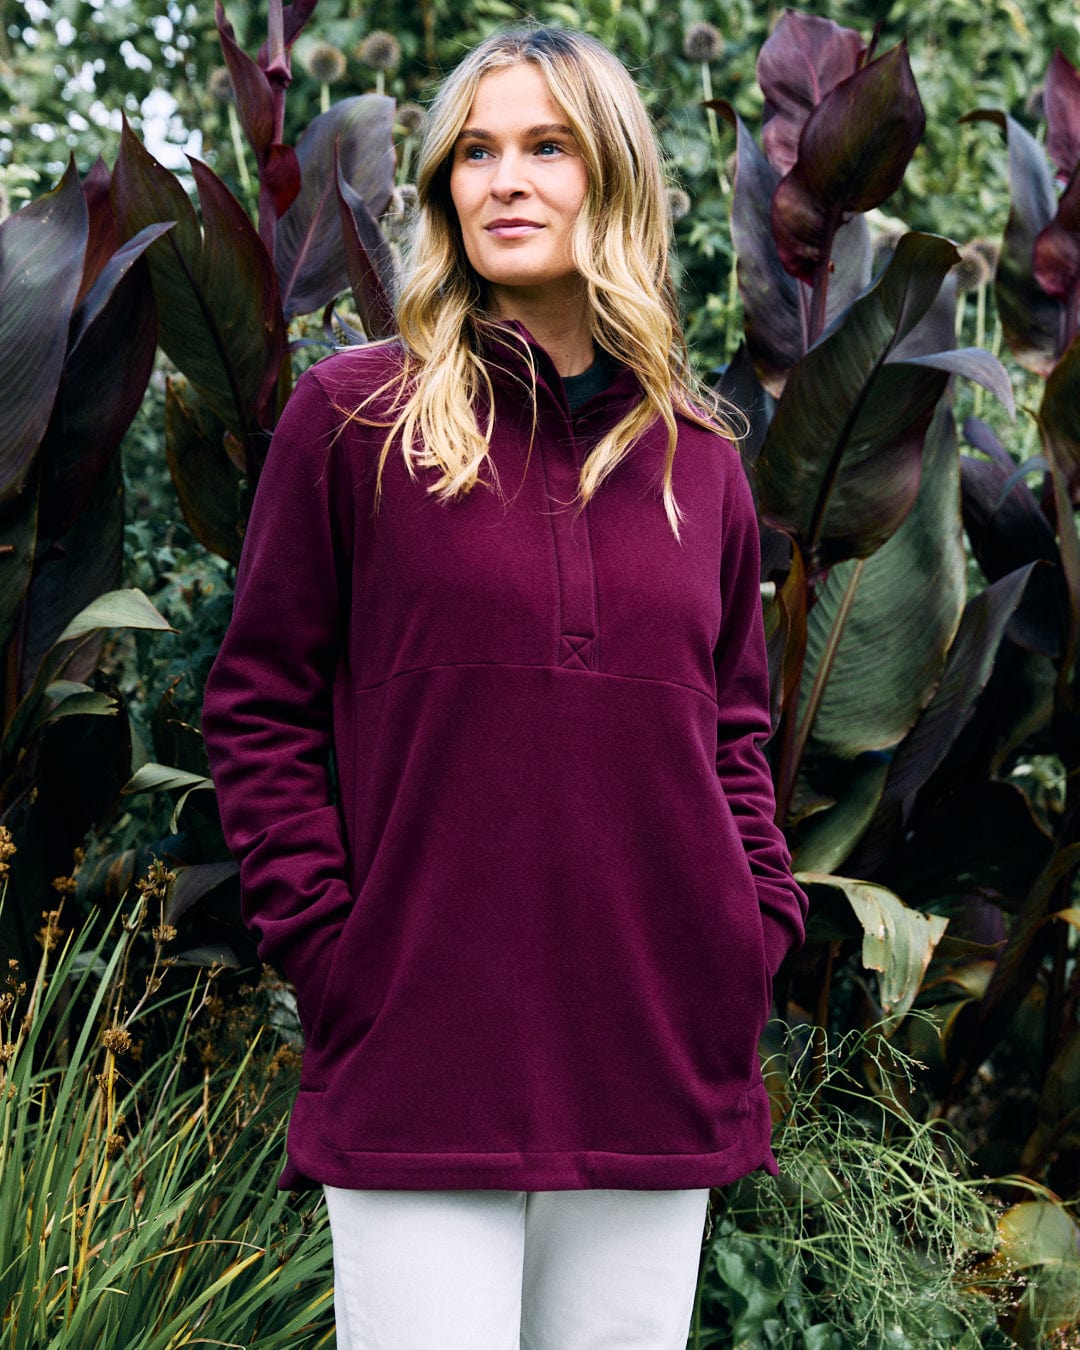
x=293, y=18
x=1008, y=530
x=898, y=942
x=368, y=260
x=278, y=166
x=802, y=60
x=969, y=666
x=308, y=249
x=110, y=357
x=841, y=462
x=880, y=630
x=1059, y=417
x=207, y=482
x=853, y=153
x=219, y=314
x=775, y=305
x=1030, y=319
x=1056, y=255
x=117, y=609
x=42, y=248
x=976, y=365
x=18, y=530
x=160, y=778
x=1061, y=94
x=102, y=237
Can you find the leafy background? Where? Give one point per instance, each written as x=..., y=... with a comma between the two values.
x=922, y=592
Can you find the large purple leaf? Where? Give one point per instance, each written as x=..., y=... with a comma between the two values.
x=1030, y=319
x=80, y=564
x=1009, y=531
x=1059, y=418
x=1056, y=256
x=774, y=305
x=802, y=60
x=18, y=530
x=841, y=462
x=853, y=152
x=974, y=364
x=219, y=315
x=1062, y=95
x=368, y=260
x=111, y=354
x=969, y=665
x=42, y=248
x=293, y=19
x=102, y=237
x=207, y=482
x=308, y=248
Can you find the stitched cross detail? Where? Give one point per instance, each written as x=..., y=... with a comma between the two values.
x=575, y=651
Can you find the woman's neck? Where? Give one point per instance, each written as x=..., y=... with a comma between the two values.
x=560, y=326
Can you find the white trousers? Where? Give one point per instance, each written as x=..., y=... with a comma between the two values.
x=515, y=1270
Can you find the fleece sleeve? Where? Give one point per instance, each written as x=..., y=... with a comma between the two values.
x=743, y=724
x=267, y=714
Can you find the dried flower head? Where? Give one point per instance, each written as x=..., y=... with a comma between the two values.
x=65, y=885
x=117, y=1040
x=7, y=850
x=410, y=118
x=114, y=1145
x=50, y=933
x=325, y=63
x=219, y=85
x=7, y=1052
x=155, y=885
x=990, y=250
x=702, y=42
x=972, y=271
x=379, y=51
x=679, y=203
x=164, y=932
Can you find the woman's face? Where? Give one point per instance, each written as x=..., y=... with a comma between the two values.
x=517, y=182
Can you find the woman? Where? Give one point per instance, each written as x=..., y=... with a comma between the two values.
x=505, y=571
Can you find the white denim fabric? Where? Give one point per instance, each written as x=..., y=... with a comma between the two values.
x=515, y=1270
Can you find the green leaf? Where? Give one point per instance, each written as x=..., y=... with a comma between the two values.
x=117, y=609
x=308, y=249
x=42, y=248
x=878, y=634
x=841, y=461
x=898, y=942
x=218, y=310
x=161, y=778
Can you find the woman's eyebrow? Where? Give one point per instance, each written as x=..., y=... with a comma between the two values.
x=542, y=129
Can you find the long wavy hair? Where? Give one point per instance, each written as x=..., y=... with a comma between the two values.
x=619, y=246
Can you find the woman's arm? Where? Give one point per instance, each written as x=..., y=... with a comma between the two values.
x=743, y=724
x=267, y=715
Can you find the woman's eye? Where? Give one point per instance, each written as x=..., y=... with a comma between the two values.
x=549, y=147
x=473, y=152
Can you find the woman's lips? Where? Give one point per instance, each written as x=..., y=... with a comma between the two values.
x=512, y=229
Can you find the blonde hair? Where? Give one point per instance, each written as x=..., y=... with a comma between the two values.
x=619, y=245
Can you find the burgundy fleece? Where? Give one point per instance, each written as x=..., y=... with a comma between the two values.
x=532, y=941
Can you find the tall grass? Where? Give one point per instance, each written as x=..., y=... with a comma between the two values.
x=137, y=1200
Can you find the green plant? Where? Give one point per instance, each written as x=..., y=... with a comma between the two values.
x=871, y=1234
x=137, y=1206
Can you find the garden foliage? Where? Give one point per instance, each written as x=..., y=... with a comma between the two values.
x=921, y=576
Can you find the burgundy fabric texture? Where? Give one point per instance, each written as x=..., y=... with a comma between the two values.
x=532, y=935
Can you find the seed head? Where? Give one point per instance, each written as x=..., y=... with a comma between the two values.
x=114, y=1145
x=410, y=118
x=678, y=203
x=7, y=849
x=50, y=933
x=219, y=85
x=972, y=271
x=116, y=1039
x=325, y=63
x=379, y=51
x=990, y=250
x=702, y=42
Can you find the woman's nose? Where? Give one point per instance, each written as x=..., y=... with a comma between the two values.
x=509, y=179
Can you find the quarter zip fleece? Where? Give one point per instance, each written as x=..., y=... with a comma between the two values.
x=532, y=936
